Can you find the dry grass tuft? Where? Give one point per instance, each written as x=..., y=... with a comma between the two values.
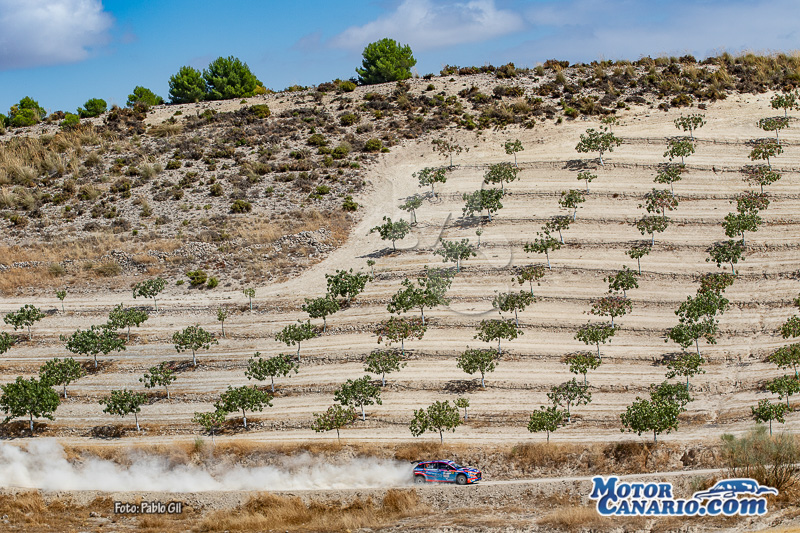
x=573, y=518
x=271, y=512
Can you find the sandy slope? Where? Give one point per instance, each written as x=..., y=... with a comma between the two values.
x=595, y=247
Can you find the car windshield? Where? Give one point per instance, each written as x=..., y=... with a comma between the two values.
x=457, y=467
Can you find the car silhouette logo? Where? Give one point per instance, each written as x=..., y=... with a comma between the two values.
x=730, y=488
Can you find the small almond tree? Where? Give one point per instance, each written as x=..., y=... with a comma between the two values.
x=61, y=372
x=336, y=417
x=679, y=147
x=26, y=317
x=6, y=342
x=543, y=244
x=669, y=173
x=28, y=397
x=760, y=175
x=455, y=251
x=61, y=294
x=501, y=173
x=491, y=330
x=150, y=288
x=447, y=147
x=530, y=274
x=686, y=364
x=193, y=338
x=260, y=369
x=690, y=123
x=774, y=124
x=392, y=231
x=359, y=393
x=210, y=422
x=345, y=284
x=596, y=334
x=786, y=357
x=321, y=308
x=581, y=363
x=600, y=141
x=243, y=399
x=398, y=330
x=571, y=199
x=612, y=306
x=766, y=411
x=121, y=318
x=637, y=251
x=462, y=403
x=784, y=386
x=124, y=402
x=763, y=151
x=624, y=280
x=659, y=201
x=429, y=176
x=736, y=224
x=512, y=147
x=657, y=416
x=489, y=199
x=250, y=293
x=482, y=361
x=652, y=224
x=222, y=315
x=586, y=176
x=726, y=252
x=558, y=223
x=383, y=362
x=295, y=334
x=568, y=394
x=438, y=417
x=547, y=419
x=411, y=205
x=786, y=101
x=513, y=301
x=158, y=376
x=93, y=341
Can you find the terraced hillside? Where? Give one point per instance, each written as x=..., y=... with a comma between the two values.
x=595, y=246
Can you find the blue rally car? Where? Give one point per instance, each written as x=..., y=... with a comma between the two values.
x=445, y=472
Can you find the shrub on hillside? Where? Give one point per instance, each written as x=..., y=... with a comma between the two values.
x=241, y=206
x=93, y=107
x=145, y=96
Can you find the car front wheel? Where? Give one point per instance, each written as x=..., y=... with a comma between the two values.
x=419, y=480
x=461, y=479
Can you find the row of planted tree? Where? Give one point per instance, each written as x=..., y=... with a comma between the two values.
x=697, y=315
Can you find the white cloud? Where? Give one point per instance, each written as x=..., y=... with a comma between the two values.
x=50, y=32
x=425, y=25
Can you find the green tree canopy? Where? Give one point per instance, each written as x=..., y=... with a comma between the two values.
x=359, y=393
x=385, y=61
x=767, y=411
x=30, y=397
x=596, y=334
x=495, y=330
x=546, y=419
x=187, y=86
x=94, y=107
x=119, y=318
x=489, y=199
x=93, y=341
x=336, y=417
x=193, y=338
x=438, y=417
x=61, y=372
x=483, y=361
x=346, y=284
x=399, y=329
x=124, y=402
x=158, y=376
x=229, y=77
x=321, y=308
x=279, y=366
x=243, y=399
x=455, y=251
x=295, y=334
x=501, y=173
x=513, y=301
x=145, y=96
x=150, y=289
x=383, y=362
x=568, y=394
x=600, y=141
x=392, y=231
x=581, y=363
x=26, y=317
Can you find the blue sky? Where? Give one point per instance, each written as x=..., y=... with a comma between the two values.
x=63, y=52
